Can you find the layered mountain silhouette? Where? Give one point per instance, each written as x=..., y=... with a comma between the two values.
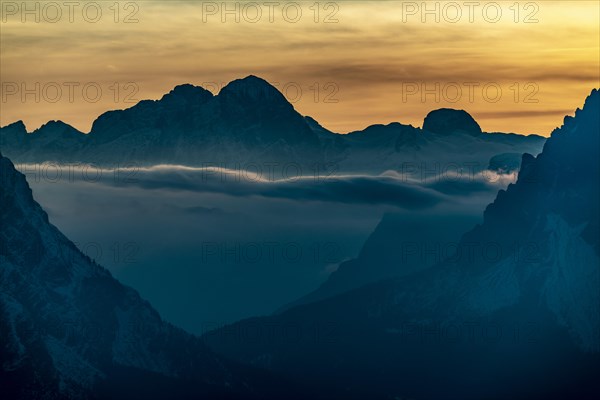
x=70, y=330
x=513, y=312
x=250, y=121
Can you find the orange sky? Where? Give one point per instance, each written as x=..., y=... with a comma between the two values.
x=352, y=64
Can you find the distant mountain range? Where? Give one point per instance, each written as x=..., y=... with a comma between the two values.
x=69, y=330
x=250, y=121
x=513, y=312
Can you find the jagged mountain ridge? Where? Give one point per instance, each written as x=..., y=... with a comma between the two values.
x=70, y=330
x=249, y=116
x=520, y=322
x=414, y=250
x=250, y=121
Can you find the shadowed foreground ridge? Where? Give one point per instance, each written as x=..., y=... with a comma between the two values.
x=70, y=330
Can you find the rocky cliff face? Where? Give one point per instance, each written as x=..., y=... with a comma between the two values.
x=514, y=312
x=70, y=330
x=447, y=121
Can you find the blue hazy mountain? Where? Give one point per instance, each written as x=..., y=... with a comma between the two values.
x=250, y=121
x=401, y=244
x=514, y=312
x=69, y=330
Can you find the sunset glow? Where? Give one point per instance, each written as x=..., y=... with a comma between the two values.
x=349, y=65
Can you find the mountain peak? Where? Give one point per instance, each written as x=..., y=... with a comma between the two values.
x=12, y=134
x=592, y=103
x=445, y=121
x=187, y=93
x=251, y=80
x=253, y=88
x=20, y=125
x=54, y=125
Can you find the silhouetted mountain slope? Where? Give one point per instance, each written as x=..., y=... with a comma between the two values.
x=418, y=153
x=70, y=330
x=249, y=118
x=53, y=139
x=400, y=245
x=448, y=121
x=250, y=121
x=514, y=313
x=173, y=113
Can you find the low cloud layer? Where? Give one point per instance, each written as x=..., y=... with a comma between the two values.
x=390, y=189
x=192, y=238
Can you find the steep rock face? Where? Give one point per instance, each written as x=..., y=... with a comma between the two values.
x=547, y=224
x=70, y=330
x=398, y=246
x=251, y=106
x=173, y=111
x=446, y=121
x=561, y=181
x=505, y=163
x=54, y=137
x=513, y=313
x=13, y=136
x=248, y=122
